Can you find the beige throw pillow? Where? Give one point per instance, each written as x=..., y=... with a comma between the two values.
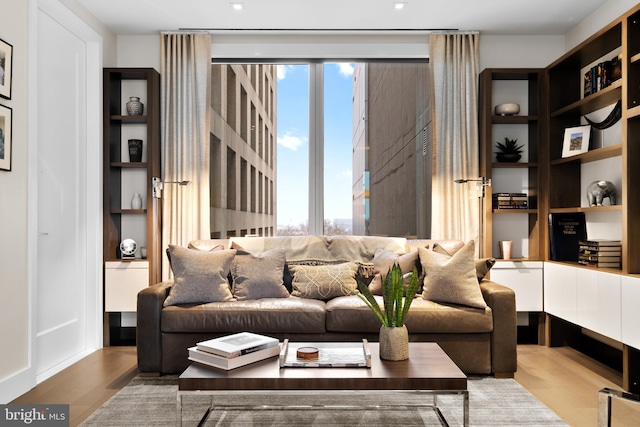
x=451, y=279
x=324, y=282
x=259, y=276
x=384, y=260
x=483, y=265
x=199, y=277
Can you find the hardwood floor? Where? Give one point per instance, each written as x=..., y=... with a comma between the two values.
x=562, y=378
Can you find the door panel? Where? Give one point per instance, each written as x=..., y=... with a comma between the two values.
x=61, y=285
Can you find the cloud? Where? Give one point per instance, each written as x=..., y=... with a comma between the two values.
x=346, y=69
x=282, y=70
x=290, y=141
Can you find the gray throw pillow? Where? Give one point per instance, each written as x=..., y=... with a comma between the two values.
x=199, y=277
x=451, y=279
x=324, y=282
x=259, y=276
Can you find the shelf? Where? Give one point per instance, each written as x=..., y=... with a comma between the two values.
x=578, y=265
x=633, y=112
x=498, y=120
x=515, y=211
x=510, y=165
x=635, y=58
x=592, y=156
x=129, y=119
x=613, y=208
x=109, y=259
x=603, y=98
x=129, y=165
x=128, y=211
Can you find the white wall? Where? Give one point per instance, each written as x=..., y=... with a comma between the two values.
x=608, y=12
x=139, y=51
x=508, y=51
x=14, y=303
x=16, y=372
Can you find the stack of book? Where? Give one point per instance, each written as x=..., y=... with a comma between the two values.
x=510, y=201
x=600, y=253
x=235, y=350
x=602, y=75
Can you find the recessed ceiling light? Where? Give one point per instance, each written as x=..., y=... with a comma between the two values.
x=399, y=5
x=237, y=6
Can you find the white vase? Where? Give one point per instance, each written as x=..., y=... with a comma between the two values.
x=136, y=201
x=394, y=343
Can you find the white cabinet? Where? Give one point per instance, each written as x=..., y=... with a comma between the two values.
x=525, y=278
x=630, y=313
x=122, y=282
x=587, y=298
x=560, y=291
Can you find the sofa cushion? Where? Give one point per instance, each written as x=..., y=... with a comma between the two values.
x=384, y=260
x=483, y=265
x=258, y=276
x=350, y=314
x=451, y=279
x=267, y=315
x=324, y=281
x=199, y=276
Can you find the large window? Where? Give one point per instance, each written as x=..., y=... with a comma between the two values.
x=312, y=148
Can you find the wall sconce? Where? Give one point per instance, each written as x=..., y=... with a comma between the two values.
x=158, y=186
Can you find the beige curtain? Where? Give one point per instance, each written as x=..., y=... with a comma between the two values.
x=185, y=69
x=455, y=207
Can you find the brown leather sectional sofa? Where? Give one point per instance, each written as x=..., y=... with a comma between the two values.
x=480, y=341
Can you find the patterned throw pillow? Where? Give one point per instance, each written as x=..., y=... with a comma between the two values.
x=451, y=279
x=324, y=282
x=199, y=277
x=258, y=276
x=384, y=260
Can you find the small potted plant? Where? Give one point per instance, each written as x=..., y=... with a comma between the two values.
x=509, y=150
x=394, y=337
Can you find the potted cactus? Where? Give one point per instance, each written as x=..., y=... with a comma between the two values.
x=509, y=150
x=394, y=337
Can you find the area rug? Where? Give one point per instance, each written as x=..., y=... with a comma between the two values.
x=492, y=402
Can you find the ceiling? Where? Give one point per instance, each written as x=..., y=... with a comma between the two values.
x=497, y=17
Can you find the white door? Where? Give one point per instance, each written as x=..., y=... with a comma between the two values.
x=62, y=285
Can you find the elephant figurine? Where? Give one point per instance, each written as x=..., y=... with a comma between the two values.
x=597, y=191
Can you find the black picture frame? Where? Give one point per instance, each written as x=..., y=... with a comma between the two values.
x=6, y=119
x=6, y=66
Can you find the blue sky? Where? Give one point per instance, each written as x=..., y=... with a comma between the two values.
x=293, y=142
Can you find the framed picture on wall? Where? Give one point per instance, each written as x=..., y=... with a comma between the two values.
x=5, y=138
x=6, y=65
x=576, y=140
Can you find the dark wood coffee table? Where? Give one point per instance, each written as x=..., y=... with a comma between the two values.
x=428, y=370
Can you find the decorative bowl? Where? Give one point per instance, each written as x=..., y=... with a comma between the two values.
x=507, y=109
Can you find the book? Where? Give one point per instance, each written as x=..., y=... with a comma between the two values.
x=237, y=345
x=597, y=259
x=226, y=363
x=601, y=243
x=566, y=230
x=600, y=264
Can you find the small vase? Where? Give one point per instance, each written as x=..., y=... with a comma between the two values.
x=135, y=150
x=136, y=201
x=134, y=106
x=394, y=343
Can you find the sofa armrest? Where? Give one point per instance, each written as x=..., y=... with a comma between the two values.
x=148, y=332
x=504, y=337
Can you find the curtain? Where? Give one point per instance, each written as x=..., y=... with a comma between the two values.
x=455, y=207
x=185, y=69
